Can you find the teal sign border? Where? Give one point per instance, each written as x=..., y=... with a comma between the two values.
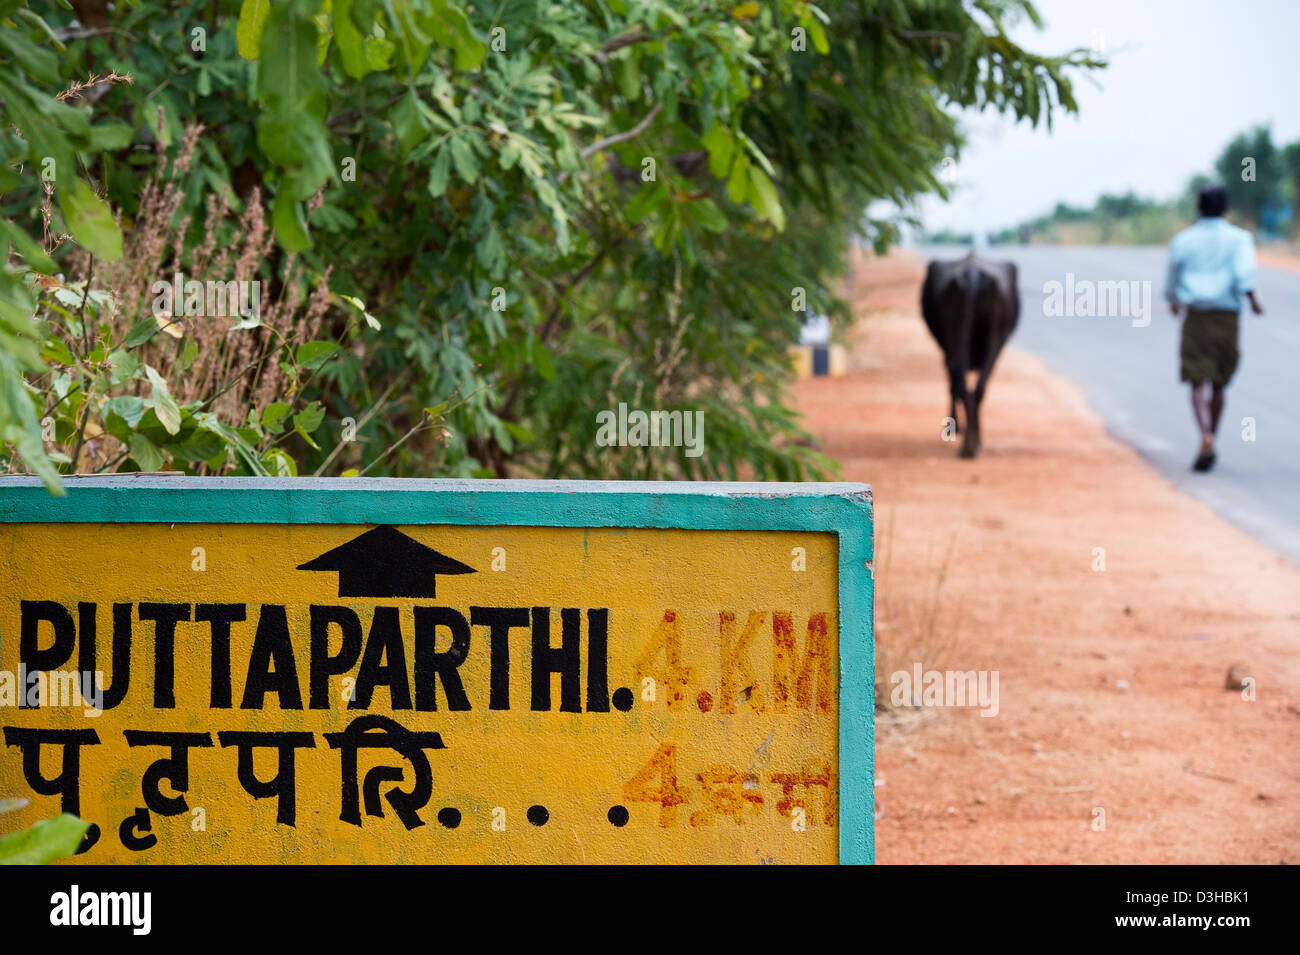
x=841, y=509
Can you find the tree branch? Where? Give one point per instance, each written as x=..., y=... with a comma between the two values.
x=424, y=425
x=619, y=42
x=365, y=419
x=622, y=137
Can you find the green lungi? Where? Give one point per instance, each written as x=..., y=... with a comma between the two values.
x=1209, y=347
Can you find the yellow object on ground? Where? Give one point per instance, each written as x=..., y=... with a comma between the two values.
x=835, y=364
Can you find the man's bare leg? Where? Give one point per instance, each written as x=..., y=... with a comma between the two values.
x=1216, y=407
x=1207, y=419
x=1201, y=407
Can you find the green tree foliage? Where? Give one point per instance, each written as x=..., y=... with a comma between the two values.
x=1126, y=219
x=41, y=135
x=1250, y=169
x=1291, y=168
x=1260, y=178
x=491, y=222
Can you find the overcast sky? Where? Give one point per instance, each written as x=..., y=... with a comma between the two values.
x=1184, y=77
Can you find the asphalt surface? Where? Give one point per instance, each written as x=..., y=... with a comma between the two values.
x=1127, y=365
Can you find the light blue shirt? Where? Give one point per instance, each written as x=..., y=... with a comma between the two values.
x=1211, y=265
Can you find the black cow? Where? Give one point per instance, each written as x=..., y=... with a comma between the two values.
x=971, y=307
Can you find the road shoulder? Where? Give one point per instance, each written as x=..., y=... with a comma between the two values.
x=1115, y=738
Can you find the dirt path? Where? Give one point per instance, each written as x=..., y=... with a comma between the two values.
x=1112, y=703
x=1279, y=259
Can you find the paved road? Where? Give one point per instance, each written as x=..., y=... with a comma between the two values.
x=1129, y=372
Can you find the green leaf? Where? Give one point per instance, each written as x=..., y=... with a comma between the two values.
x=379, y=52
x=201, y=445
x=519, y=432
x=43, y=121
x=719, y=142
x=490, y=250
x=141, y=332
x=111, y=137
x=410, y=122
x=273, y=415
x=56, y=350
x=189, y=351
x=35, y=60
x=360, y=306
x=818, y=35
x=145, y=453
x=314, y=354
x=542, y=360
x=290, y=224
x=629, y=77
x=497, y=427
x=279, y=464
x=35, y=20
x=48, y=840
x=449, y=26
x=462, y=154
x=666, y=233
x=124, y=366
x=738, y=184
x=752, y=148
x=763, y=197
x=28, y=248
x=162, y=402
x=324, y=34
x=352, y=47
x=234, y=439
x=440, y=172
x=306, y=437
x=18, y=424
x=248, y=32
x=707, y=214
x=309, y=418
x=648, y=198
x=291, y=125
x=130, y=408
x=412, y=42
x=90, y=221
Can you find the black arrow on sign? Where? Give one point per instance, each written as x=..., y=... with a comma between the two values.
x=384, y=562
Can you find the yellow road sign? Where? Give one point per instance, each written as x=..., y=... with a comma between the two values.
x=340, y=671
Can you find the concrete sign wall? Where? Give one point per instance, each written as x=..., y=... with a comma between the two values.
x=232, y=669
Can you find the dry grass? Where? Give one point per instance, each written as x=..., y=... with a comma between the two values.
x=233, y=370
x=910, y=630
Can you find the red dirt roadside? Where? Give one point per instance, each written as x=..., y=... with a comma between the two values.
x=1112, y=704
x=1280, y=258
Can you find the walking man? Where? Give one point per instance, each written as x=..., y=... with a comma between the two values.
x=1211, y=267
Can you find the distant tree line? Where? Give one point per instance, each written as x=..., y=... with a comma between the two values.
x=1263, y=183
